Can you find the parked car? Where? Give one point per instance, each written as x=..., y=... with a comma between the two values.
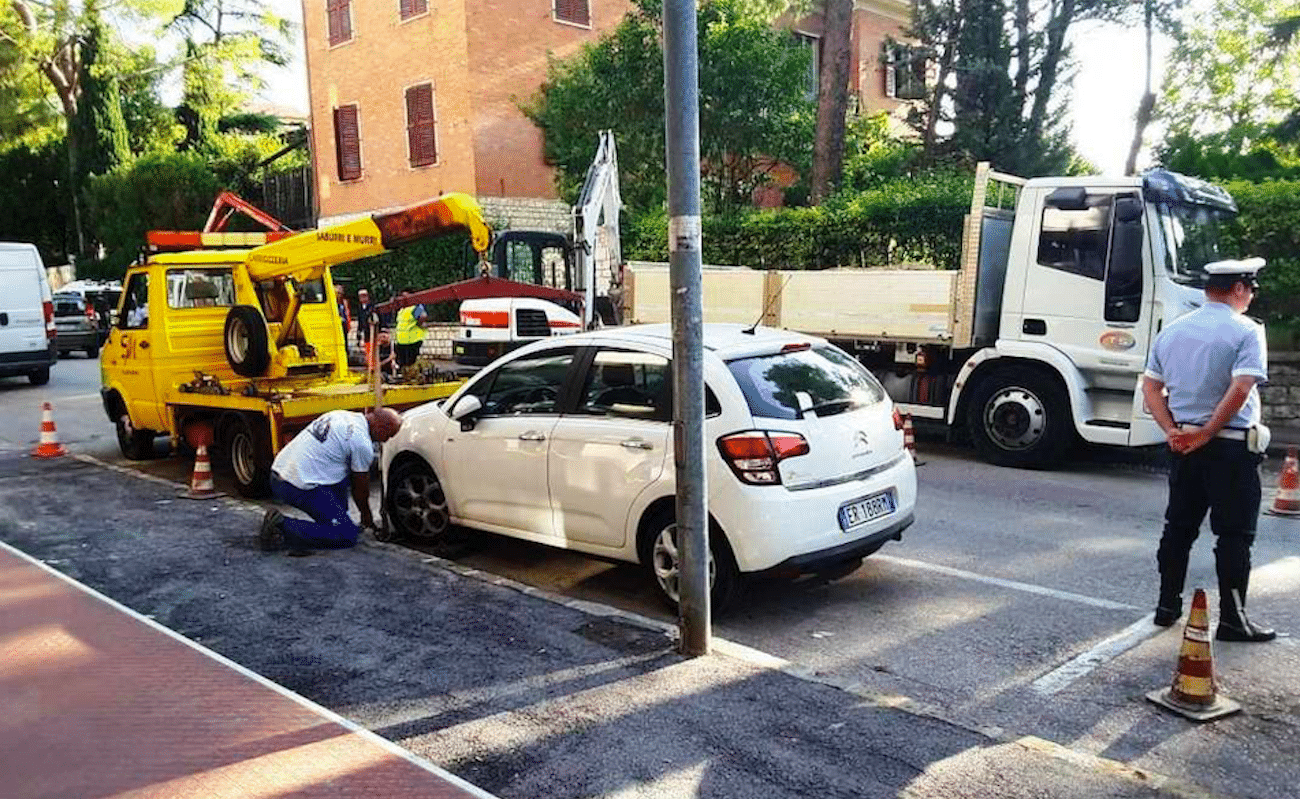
x=77, y=322
x=26, y=314
x=103, y=296
x=568, y=442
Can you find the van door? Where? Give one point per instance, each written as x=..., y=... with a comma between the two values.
x=130, y=352
x=22, y=303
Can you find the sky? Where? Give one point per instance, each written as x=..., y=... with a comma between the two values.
x=1106, y=87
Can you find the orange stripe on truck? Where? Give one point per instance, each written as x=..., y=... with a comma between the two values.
x=485, y=318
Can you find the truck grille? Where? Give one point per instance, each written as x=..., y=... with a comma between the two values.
x=531, y=323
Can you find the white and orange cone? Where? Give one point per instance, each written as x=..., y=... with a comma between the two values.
x=1287, y=501
x=49, y=446
x=909, y=439
x=1194, y=693
x=201, y=486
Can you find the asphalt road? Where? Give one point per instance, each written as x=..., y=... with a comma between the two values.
x=1018, y=600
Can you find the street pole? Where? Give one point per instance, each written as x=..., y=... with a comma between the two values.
x=682, y=127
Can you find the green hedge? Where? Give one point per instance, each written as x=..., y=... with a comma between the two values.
x=920, y=221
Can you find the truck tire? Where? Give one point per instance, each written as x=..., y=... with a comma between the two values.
x=136, y=445
x=246, y=341
x=1020, y=417
x=248, y=448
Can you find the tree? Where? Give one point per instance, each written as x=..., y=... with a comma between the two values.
x=832, y=100
x=98, y=128
x=753, y=113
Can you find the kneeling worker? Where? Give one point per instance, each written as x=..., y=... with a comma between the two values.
x=314, y=472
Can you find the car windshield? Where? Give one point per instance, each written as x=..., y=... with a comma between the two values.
x=1193, y=238
x=68, y=305
x=793, y=383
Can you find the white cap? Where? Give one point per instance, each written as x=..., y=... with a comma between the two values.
x=1247, y=266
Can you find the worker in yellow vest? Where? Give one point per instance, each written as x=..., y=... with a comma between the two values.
x=410, y=331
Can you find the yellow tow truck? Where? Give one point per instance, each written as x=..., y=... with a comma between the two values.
x=236, y=341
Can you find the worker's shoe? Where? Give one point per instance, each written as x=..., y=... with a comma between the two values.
x=1242, y=629
x=271, y=536
x=1167, y=614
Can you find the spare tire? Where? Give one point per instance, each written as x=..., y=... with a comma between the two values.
x=246, y=341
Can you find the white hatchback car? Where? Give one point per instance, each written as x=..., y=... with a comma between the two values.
x=568, y=442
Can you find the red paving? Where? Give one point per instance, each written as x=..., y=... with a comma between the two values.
x=96, y=703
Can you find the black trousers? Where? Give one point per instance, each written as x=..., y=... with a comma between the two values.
x=1221, y=478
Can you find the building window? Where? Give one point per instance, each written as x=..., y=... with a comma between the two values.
x=340, y=20
x=421, y=123
x=347, y=141
x=905, y=67
x=814, y=46
x=576, y=11
x=413, y=8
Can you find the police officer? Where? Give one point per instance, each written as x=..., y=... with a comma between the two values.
x=1200, y=387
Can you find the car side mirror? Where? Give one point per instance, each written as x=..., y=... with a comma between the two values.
x=1128, y=210
x=467, y=407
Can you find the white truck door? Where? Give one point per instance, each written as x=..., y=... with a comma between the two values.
x=1087, y=291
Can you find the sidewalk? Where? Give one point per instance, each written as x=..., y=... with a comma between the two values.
x=513, y=692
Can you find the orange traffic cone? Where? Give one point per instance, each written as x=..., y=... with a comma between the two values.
x=49, y=446
x=909, y=439
x=1194, y=693
x=1287, y=501
x=201, y=482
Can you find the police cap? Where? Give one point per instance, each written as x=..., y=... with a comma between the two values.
x=1223, y=274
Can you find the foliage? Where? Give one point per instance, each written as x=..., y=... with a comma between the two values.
x=98, y=127
x=1268, y=225
x=752, y=107
x=875, y=154
x=1216, y=157
x=33, y=207
x=163, y=191
x=422, y=265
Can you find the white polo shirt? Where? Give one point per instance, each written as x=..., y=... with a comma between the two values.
x=327, y=452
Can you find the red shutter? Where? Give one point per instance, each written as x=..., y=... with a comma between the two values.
x=347, y=141
x=412, y=8
x=340, y=20
x=421, y=135
x=576, y=11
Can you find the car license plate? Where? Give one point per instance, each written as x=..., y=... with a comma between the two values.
x=860, y=511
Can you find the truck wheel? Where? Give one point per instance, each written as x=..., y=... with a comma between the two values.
x=40, y=377
x=662, y=556
x=417, y=505
x=136, y=445
x=1020, y=417
x=246, y=341
x=248, y=446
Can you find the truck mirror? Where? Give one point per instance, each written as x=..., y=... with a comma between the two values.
x=1128, y=209
x=1069, y=199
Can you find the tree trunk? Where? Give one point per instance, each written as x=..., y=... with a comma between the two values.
x=1145, y=107
x=832, y=100
x=1056, y=29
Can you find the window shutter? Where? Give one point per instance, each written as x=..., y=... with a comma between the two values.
x=413, y=8
x=576, y=11
x=891, y=73
x=347, y=140
x=340, y=20
x=421, y=126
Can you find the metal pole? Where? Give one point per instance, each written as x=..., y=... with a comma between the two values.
x=682, y=127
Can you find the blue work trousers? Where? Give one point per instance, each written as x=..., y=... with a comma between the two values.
x=331, y=528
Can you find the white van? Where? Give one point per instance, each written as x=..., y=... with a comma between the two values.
x=27, y=331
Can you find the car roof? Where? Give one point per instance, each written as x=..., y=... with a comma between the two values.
x=726, y=340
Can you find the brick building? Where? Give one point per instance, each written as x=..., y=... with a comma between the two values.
x=412, y=98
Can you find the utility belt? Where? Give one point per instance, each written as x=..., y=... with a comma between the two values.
x=1256, y=438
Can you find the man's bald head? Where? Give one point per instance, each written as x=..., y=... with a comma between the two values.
x=384, y=423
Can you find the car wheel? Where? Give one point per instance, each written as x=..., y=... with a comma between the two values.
x=136, y=445
x=245, y=338
x=92, y=351
x=64, y=353
x=248, y=446
x=40, y=377
x=1020, y=417
x=417, y=505
x=662, y=555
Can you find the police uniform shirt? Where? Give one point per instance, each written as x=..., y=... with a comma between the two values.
x=1198, y=356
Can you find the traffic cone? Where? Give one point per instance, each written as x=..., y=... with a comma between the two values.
x=49, y=446
x=1193, y=693
x=1287, y=501
x=909, y=439
x=201, y=482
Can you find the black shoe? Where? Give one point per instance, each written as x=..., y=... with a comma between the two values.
x=1165, y=617
x=1246, y=631
x=271, y=536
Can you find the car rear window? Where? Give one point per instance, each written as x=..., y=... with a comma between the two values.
x=820, y=380
x=69, y=306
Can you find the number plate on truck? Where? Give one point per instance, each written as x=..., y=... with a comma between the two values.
x=860, y=511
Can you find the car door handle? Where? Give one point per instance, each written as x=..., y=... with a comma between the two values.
x=532, y=435
x=637, y=443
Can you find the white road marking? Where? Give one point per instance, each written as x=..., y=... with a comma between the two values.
x=1137, y=632
x=75, y=398
x=348, y=724
x=1028, y=588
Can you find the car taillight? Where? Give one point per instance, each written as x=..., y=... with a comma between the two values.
x=90, y=312
x=754, y=454
x=898, y=420
x=50, y=330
